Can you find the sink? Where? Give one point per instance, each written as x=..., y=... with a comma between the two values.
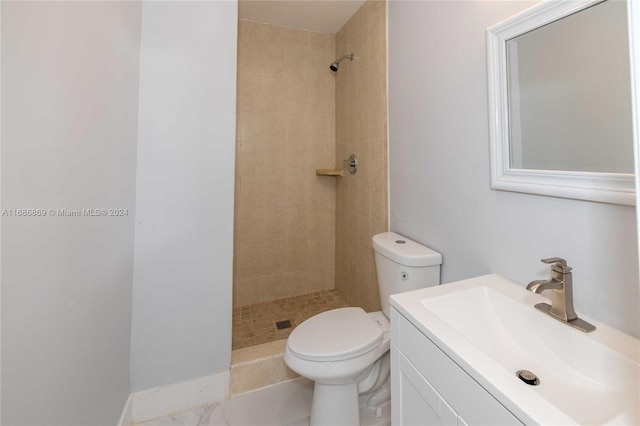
x=488, y=325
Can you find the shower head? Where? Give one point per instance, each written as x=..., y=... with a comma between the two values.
x=334, y=66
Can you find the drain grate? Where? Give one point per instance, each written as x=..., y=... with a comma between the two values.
x=281, y=325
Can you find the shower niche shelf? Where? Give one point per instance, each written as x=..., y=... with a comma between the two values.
x=329, y=172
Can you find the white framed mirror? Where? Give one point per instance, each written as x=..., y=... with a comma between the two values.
x=560, y=116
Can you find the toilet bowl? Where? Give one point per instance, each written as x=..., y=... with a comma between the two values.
x=342, y=351
x=346, y=350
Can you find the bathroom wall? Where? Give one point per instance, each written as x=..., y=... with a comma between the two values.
x=361, y=129
x=284, y=213
x=439, y=171
x=69, y=126
x=182, y=288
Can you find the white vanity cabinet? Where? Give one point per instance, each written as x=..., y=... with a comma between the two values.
x=429, y=388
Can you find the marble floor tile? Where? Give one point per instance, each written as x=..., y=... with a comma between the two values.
x=199, y=416
x=284, y=404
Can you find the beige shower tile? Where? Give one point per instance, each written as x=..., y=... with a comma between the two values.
x=247, y=292
x=357, y=31
x=285, y=37
x=342, y=38
x=260, y=157
x=351, y=231
x=246, y=377
x=321, y=251
x=379, y=197
x=252, y=89
x=342, y=153
x=297, y=130
x=349, y=195
x=297, y=221
x=340, y=123
x=377, y=158
x=351, y=124
x=321, y=90
x=374, y=118
x=298, y=283
x=361, y=277
x=274, y=257
x=299, y=160
x=379, y=217
x=252, y=48
x=323, y=279
x=324, y=157
x=307, y=128
x=296, y=255
x=322, y=222
x=323, y=47
x=295, y=96
x=376, y=48
x=319, y=128
x=253, y=353
x=363, y=236
x=253, y=260
x=376, y=79
x=293, y=284
x=261, y=125
x=296, y=192
x=376, y=28
x=296, y=205
x=244, y=121
x=261, y=191
x=323, y=199
x=260, y=224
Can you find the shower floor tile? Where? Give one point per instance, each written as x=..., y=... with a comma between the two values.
x=256, y=324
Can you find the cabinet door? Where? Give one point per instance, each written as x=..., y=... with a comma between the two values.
x=461, y=391
x=414, y=401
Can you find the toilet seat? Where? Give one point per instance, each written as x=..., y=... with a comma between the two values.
x=335, y=335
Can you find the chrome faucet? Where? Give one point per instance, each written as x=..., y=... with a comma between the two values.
x=561, y=283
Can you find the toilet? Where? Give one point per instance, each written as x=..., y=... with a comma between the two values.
x=345, y=351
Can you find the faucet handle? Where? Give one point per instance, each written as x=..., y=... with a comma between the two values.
x=560, y=265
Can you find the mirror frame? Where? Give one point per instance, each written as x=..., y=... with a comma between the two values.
x=615, y=188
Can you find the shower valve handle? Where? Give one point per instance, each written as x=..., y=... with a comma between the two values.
x=351, y=163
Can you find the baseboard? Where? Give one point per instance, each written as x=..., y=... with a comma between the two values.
x=126, y=416
x=165, y=400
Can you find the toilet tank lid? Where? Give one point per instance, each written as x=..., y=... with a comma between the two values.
x=404, y=251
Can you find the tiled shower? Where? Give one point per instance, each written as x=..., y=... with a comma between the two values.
x=303, y=240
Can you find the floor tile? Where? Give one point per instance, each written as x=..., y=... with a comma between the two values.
x=255, y=324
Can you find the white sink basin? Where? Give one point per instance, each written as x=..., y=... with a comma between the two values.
x=488, y=325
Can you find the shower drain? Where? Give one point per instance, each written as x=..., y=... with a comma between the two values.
x=281, y=325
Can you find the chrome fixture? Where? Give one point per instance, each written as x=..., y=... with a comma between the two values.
x=334, y=66
x=561, y=283
x=528, y=377
x=351, y=163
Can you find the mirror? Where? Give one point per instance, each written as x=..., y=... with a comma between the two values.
x=560, y=102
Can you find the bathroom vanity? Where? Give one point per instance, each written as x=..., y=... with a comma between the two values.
x=418, y=368
x=456, y=350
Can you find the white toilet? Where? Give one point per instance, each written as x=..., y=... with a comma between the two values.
x=346, y=351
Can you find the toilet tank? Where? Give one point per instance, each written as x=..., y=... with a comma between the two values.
x=403, y=265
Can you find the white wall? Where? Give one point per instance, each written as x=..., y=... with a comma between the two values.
x=439, y=171
x=69, y=116
x=185, y=183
